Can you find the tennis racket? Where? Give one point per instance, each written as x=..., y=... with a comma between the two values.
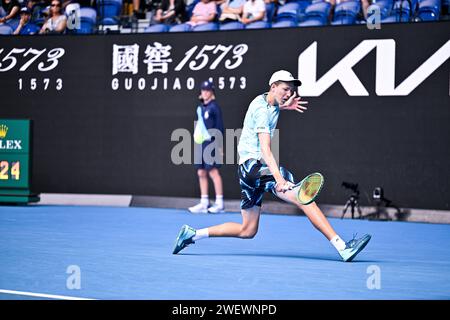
x=310, y=188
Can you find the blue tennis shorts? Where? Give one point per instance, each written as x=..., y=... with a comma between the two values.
x=255, y=178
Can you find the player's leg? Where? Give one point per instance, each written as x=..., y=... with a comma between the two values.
x=202, y=207
x=245, y=230
x=251, y=198
x=218, y=188
x=347, y=250
x=312, y=211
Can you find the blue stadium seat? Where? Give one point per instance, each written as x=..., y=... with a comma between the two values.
x=301, y=12
x=317, y=14
x=109, y=11
x=429, y=10
x=346, y=12
x=234, y=25
x=289, y=11
x=285, y=23
x=258, y=25
x=210, y=26
x=13, y=23
x=157, y=28
x=183, y=27
x=5, y=29
x=385, y=7
x=401, y=12
x=313, y=21
x=88, y=20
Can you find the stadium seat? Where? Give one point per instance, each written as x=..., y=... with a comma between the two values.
x=88, y=20
x=109, y=11
x=157, y=28
x=258, y=25
x=313, y=21
x=232, y=26
x=316, y=14
x=13, y=23
x=346, y=12
x=385, y=7
x=210, y=26
x=289, y=12
x=429, y=10
x=5, y=29
x=401, y=12
x=285, y=23
x=183, y=27
x=301, y=12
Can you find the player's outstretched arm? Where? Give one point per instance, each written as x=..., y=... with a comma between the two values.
x=282, y=185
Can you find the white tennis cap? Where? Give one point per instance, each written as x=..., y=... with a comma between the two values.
x=283, y=75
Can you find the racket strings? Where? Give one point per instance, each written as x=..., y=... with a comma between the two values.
x=310, y=188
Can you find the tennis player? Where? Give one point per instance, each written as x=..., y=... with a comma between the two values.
x=258, y=173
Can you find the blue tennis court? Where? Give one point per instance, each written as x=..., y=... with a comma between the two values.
x=125, y=253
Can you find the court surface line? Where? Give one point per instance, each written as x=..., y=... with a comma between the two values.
x=42, y=295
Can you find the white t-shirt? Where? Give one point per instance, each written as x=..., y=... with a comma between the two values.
x=253, y=7
x=52, y=24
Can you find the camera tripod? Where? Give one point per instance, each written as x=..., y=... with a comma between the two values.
x=353, y=203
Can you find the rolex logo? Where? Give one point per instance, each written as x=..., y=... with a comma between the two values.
x=3, y=131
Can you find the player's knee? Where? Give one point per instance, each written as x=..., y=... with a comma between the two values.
x=248, y=232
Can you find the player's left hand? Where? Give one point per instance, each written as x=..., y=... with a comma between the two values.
x=294, y=103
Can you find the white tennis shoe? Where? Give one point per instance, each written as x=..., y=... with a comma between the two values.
x=216, y=209
x=198, y=208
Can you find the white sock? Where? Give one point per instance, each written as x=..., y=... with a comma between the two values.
x=200, y=234
x=219, y=200
x=338, y=243
x=204, y=201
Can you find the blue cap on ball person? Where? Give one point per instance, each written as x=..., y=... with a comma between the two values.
x=207, y=85
x=25, y=10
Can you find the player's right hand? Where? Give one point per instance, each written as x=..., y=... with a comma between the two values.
x=284, y=186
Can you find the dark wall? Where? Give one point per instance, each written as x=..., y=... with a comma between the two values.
x=90, y=138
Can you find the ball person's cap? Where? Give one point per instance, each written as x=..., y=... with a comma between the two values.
x=207, y=85
x=285, y=76
x=25, y=10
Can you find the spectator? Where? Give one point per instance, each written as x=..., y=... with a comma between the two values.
x=232, y=10
x=57, y=22
x=25, y=26
x=254, y=10
x=364, y=6
x=204, y=12
x=271, y=8
x=137, y=12
x=171, y=12
x=9, y=10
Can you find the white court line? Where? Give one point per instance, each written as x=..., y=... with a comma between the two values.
x=42, y=295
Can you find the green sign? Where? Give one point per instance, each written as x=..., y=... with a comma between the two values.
x=15, y=161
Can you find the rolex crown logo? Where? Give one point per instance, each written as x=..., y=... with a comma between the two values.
x=3, y=131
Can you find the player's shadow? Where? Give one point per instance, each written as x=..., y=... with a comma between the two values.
x=278, y=255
